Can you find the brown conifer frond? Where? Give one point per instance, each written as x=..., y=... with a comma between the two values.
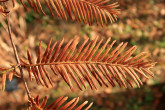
x=58, y=104
x=86, y=11
x=6, y=73
x=90, y=63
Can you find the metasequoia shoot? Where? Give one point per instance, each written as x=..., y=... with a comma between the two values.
x=93, y=63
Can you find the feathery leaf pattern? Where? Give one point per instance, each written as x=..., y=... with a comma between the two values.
x=58, y=104
x=91, y=63
x=86, y=11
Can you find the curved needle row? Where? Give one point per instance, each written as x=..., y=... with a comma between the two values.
x=58, y=104
x=91, y=62
x=86, y=11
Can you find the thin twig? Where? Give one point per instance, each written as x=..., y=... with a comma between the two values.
x=17, y=58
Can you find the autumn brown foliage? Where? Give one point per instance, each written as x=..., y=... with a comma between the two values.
x=94, y=61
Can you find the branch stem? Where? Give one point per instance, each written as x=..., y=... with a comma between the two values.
x=76, y=62
x=17, y=57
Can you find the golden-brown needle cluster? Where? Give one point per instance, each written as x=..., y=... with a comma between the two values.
x=86, y=11
x=6, y=73
x=58, y=104
x=92, y=62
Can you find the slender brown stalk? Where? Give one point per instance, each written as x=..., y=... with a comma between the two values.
x=78, y=62
x=17, y=57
